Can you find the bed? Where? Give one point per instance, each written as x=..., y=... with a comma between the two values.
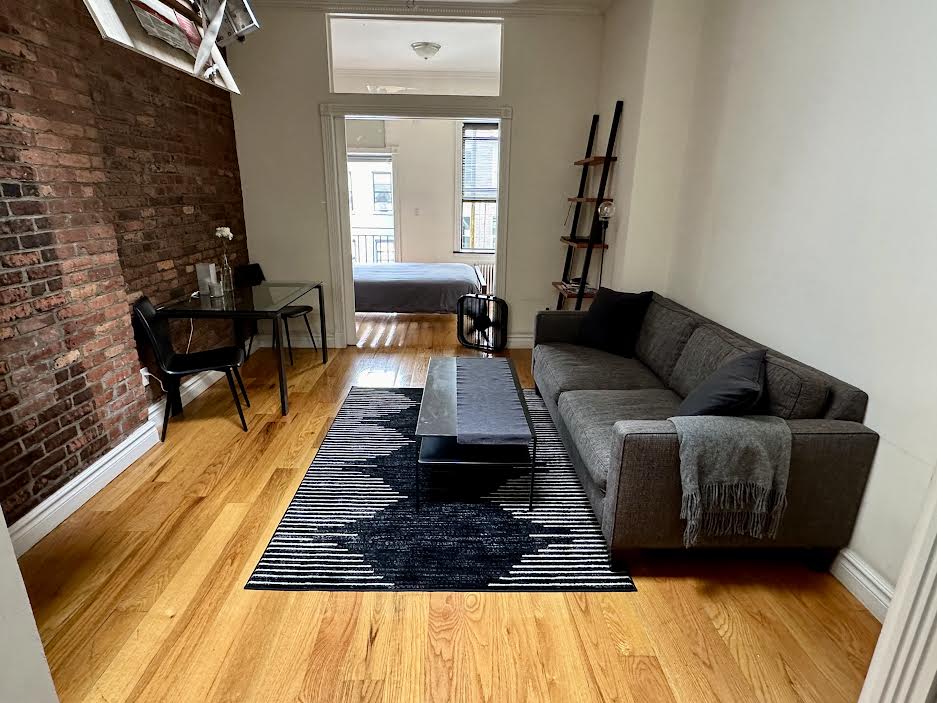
x=393, y=287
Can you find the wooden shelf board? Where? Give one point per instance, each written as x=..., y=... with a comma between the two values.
x=559, y=286
x=594, y=161
x=583, y=243
x=587, y=200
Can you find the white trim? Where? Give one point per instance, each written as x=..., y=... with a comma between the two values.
x=439, y=8
x=189, y=390
x=54, y=510
x=524, y=340
x=865, y=583
x=904, y=666
x=338, y=219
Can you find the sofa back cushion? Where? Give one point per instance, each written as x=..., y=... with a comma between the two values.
x=793, y=390
x=708, y=348
x=666, y=329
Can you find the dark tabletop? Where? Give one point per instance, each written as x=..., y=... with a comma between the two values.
x=263, y=300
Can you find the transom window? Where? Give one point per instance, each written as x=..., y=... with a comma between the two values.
x=415, y=56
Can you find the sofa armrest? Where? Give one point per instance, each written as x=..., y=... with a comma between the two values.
x=830, y=463
x=557, y=326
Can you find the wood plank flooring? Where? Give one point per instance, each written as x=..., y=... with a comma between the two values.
x=139, y=595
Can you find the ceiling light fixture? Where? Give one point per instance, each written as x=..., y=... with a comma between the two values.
x=425, y=49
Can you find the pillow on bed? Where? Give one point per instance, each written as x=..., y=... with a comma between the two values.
x=613, y=321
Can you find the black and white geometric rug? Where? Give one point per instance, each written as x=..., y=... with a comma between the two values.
x=354, y=523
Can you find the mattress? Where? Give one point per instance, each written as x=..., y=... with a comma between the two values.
x=393, y=287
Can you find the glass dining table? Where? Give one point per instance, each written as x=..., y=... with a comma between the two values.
x=264, y=301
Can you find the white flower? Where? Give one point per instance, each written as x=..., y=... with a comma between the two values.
x=224, y=233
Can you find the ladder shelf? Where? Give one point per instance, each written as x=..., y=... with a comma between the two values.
x=572, y=287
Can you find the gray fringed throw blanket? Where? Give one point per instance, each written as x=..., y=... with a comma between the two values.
x=734, y=474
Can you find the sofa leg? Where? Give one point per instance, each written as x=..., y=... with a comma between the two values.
x=820, y=559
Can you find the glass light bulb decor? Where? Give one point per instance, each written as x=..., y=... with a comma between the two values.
x=606, y=210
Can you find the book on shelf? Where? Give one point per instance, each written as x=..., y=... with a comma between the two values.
x=572, y=288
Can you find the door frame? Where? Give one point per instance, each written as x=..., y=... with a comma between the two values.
x=904, y=666
x=335, y=155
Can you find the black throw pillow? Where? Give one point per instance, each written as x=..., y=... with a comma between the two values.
x=613, y=321
x=736, y=388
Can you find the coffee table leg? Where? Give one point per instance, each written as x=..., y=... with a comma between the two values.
x=533, y=471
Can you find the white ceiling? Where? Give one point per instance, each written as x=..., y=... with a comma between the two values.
x=384, y=45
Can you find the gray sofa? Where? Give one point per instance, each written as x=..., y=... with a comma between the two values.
x=612, y=414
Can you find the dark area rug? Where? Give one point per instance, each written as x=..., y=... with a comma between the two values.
x=354, y=523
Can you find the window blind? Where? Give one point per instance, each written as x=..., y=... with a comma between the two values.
x=479, y=161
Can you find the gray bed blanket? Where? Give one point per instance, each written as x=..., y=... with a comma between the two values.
x=734, y=474
x=396, y=287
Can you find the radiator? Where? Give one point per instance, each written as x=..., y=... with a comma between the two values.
x=487, y=272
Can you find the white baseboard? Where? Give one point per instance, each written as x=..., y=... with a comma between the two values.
x=865, y=583
x=52, y=512
x=521, y=341
x=190, y=389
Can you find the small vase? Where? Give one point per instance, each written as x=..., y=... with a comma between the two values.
x=227, y=275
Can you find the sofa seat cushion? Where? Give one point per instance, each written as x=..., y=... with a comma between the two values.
x=570, y=367
x=590, y=416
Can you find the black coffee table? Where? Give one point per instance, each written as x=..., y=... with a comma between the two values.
x=438, y=425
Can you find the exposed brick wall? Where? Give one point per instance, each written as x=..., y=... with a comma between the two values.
x=114, y=172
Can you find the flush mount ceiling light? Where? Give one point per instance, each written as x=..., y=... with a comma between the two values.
x=425, y=49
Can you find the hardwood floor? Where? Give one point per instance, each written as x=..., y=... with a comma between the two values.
x=139, y=595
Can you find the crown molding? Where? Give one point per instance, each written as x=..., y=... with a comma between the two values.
x=434, y=8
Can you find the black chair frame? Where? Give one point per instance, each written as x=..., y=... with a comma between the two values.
x=175, y=366
x=252, y=275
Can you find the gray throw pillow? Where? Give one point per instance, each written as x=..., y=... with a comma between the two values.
x=736, y=388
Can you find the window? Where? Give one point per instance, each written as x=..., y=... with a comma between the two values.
x=376, y=55
x=382, y=188
x=351, y=194
x=479, y=223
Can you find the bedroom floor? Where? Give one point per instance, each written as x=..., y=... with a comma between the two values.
x=139, y=595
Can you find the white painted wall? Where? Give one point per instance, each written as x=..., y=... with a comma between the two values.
x=427, y=158
x=626, y=32
x=24, y=672
x=550, y=79
x=647, y=50
x=808, y=215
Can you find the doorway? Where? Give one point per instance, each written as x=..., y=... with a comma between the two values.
x=399, y=201
x=373, y=210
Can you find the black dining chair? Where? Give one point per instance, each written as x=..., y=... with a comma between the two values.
x=174, y=366
x=248, y=275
